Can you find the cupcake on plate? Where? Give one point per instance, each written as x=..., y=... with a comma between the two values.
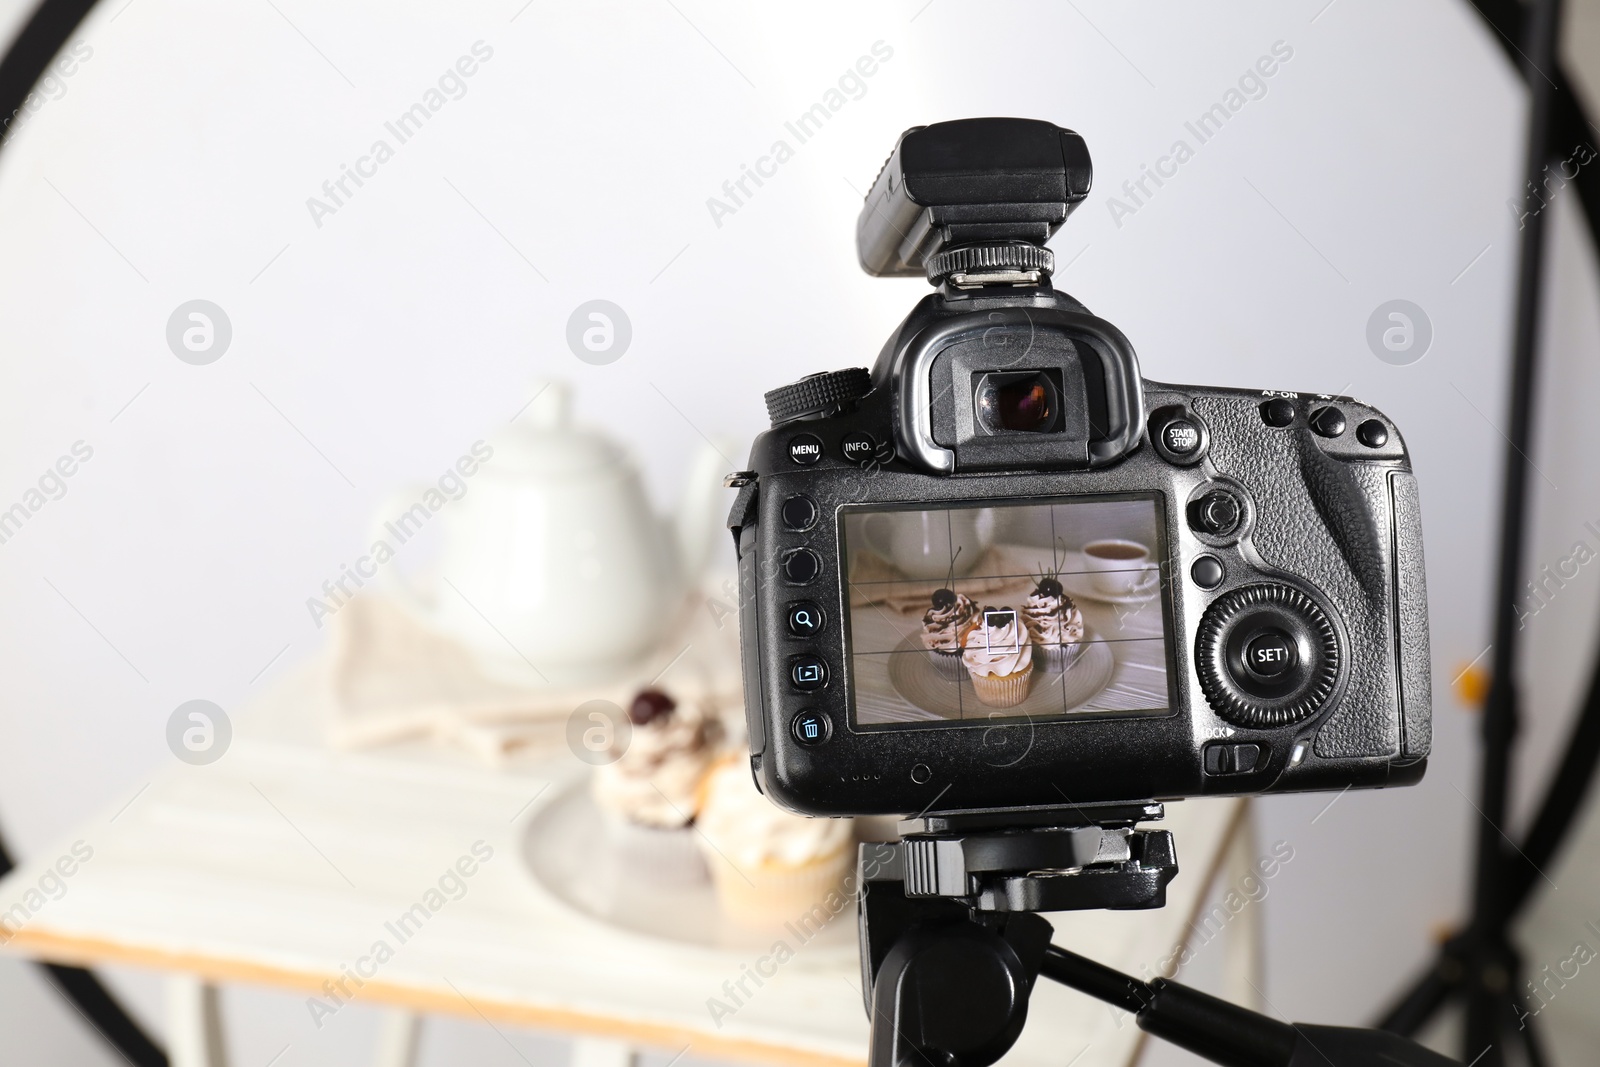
x=770, y=866
x=942, y=627
x=1054, y=623
x=648, y=794
x=998, y=655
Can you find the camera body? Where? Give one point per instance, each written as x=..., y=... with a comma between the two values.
x=1001, y=572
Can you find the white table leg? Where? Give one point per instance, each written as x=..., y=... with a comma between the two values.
x=194, y=1023
x=1242, y=945
x=398, y=1038
x=601, y=1052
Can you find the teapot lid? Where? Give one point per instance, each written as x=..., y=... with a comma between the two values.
x=542, y=439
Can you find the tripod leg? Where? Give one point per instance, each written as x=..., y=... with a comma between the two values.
x=1243, y=951
x=1423, y=1000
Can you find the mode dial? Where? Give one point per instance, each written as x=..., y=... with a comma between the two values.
x=817, y=394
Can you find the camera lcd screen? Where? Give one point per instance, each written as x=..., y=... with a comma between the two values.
x=1048, y=609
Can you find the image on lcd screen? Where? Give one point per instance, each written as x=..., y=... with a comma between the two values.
x=1037, y=610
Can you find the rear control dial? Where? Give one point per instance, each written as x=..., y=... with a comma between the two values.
x=1267, y=655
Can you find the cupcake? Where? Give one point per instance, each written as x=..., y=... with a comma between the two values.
x=1054, y=623
x=998, y=656
x=648, y=794
x=942, y=626
x=769, y=866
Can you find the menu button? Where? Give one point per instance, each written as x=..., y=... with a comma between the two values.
x=805, y=449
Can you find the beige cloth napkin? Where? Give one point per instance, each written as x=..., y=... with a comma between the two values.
x=392, y=678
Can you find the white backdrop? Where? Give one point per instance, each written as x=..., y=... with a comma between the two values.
x=372, y=345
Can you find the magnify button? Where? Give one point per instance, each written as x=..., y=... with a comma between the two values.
x=805, y=618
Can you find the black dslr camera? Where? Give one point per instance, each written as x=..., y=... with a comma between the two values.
x=1001, y=573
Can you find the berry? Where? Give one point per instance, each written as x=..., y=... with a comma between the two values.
x=1049, y=587
x=650, y=705
x=944, y=598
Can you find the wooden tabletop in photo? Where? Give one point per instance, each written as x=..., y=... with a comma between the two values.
x=397, y=876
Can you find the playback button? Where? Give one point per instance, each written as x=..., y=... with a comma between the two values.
x=807, y=673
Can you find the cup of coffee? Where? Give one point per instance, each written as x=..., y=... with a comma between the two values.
x=1117, y=567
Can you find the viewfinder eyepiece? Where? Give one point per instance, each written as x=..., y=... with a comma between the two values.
x=1017, y=402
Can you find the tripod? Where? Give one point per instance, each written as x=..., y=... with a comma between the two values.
x=951, y=944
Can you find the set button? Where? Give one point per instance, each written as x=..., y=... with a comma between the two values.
x=1270, y=653
x=800, y=566
x=805, y=449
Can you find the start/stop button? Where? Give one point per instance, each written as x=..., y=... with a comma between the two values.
x=1178, y=435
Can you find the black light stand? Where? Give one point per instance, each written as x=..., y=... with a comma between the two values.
x=951, y=944
x=1480, y=966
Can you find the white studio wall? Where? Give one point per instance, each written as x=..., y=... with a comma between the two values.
x=601, y=152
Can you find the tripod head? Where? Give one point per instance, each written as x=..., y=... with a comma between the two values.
x=951, y=943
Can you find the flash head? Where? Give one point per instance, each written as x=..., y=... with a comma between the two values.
x=973, y=197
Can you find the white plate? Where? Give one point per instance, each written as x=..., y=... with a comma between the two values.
x=569, y=849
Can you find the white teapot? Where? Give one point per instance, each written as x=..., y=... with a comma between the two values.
x=554, y=567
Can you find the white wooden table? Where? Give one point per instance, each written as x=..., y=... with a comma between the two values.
x=284, y=864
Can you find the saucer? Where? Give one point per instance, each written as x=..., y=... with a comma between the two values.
x=1080, y=586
